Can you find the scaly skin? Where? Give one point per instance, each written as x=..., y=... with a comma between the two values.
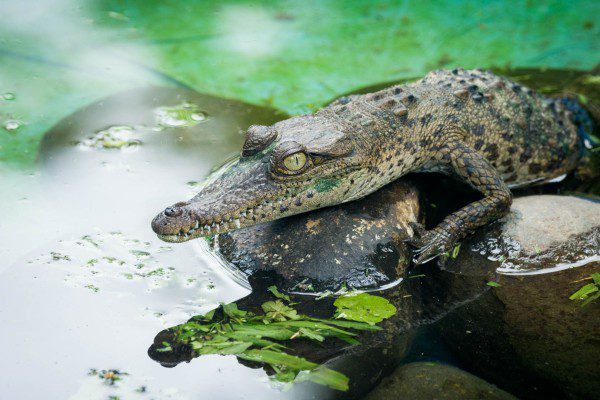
x=483, y=129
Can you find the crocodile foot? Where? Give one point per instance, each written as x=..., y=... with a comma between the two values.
x=429, y=243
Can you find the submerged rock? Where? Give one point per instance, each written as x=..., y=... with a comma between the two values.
x=359, y=244
x=525, y=332
x=151, y=127
x=427, y=381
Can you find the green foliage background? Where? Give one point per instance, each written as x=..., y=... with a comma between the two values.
x=59, y=55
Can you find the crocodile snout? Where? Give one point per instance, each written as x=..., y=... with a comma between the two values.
x=172, y=219
x=173, y=211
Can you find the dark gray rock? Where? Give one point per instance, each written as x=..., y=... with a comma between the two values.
x=434, y=381
x=360, y=243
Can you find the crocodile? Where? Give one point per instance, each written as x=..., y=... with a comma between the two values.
x=485, y=130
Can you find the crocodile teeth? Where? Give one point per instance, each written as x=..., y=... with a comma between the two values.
x=207, y=227
x=238, y=224
x=197, y=225
x=243, y=214
x=218, y=228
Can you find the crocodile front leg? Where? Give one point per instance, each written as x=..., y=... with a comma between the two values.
x=480, y=174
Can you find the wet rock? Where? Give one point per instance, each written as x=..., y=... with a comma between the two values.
x=359, y=244
x=526, y=333
x=540, y=223
x=542, y=234
x=433, y=381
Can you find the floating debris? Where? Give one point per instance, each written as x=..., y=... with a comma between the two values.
x=12, y=125
x=59, y=256
x=589, y=292
x=184, y=115
x=108, y=376
x=114, y=137
x=118, y=16
x=9, y=96
x=140, y=254
x=93, y=288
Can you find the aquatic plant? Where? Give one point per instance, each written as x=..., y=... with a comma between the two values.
x=589, y=292
x=258, y=337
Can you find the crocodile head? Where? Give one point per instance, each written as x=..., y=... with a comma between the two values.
x=294, y=166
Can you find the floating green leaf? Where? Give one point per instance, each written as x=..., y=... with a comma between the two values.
x=231, y=331
x=277, y=311
x=589, y=292
x=232, y=311
x=456, y=250
x=291, y=366
x=167, y=347
x=493, y=284
x=363, y=307
x=273, y=289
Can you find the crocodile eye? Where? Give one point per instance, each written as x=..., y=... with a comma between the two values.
x=296, y=161
x=290, y=158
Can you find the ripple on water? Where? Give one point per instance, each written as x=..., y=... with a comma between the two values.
x=117, y=263
x=576, y=252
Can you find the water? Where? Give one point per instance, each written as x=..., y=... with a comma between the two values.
x=85, y=283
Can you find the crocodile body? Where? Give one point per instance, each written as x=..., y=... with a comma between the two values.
x=484, y=129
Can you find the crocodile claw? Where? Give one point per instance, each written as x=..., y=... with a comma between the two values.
x=418, y=230
x=428, y=243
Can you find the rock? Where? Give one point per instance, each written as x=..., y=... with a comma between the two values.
x=358, y=243
x=539, y=223
x=434, y=381
x=526, y=333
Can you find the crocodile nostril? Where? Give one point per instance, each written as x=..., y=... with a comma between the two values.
x=173, y=211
